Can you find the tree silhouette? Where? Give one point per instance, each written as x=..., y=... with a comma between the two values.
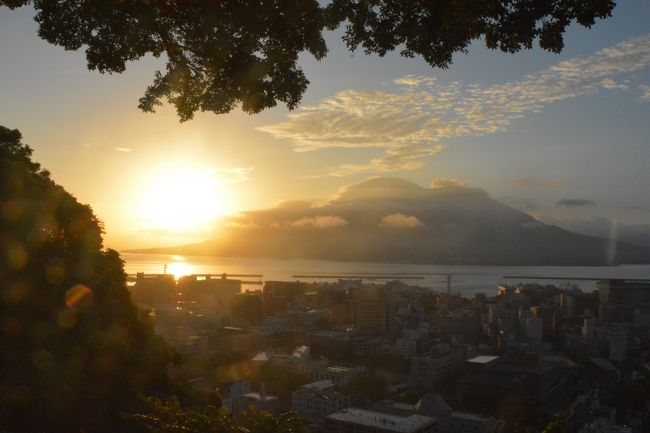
x=73, y=350
x=223, y=53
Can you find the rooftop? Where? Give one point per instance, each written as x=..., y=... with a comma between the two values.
x=483, y=359
x=470, y=416
x=320, y=385
x=409, y=424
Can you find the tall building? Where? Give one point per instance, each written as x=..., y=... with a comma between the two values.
x=278, y=296
x=617, y=344
x=618, y=299
x=211, y=296
x=154, y=289
x=247, y=307
x=549, y=315
x=375, y=309
x=535, y=329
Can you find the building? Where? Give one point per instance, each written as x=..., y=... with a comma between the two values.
x=308, y=319
x=437, y=366
x=618, y=299
x=340, y=375
x=355, y=420
x=314, y=401
x=406, y=347
x=261, y=401
x=517, y=373
x=154, y=289
x=465, y=422
x=247, y=307
x=535, y=329
x=233, y=401
x=550, y=315
x=211, y=294
x=375, y=309
x=617, y=344
x=279, y=296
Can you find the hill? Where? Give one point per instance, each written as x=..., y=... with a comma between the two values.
x=394, y=220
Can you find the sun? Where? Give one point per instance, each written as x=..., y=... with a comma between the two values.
x=183, y=199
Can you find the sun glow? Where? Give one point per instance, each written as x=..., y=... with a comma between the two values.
x=179, y=200
x=179, y=269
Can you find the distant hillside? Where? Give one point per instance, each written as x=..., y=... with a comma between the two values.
x=394, y=220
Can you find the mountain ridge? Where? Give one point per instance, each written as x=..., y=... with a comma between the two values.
x=395, y=220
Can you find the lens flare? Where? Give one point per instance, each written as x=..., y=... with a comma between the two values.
x=76, y=294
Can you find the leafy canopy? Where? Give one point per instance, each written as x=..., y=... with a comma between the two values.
x=223, y=53
x=74, y=351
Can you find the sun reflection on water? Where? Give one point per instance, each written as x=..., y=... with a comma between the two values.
x=179, y=269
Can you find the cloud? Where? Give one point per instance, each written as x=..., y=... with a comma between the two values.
x=414, y=120
x=645, y=93
x=400, y=221
x=223, y=175
x=575, y=202
x=519, y=203
x=444, y=182
x=123, y=149
x=604, y=228
x=536, y=184
x=320, y=222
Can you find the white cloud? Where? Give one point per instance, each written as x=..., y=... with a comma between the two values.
x=400, y=221
x=223, y=175
x=444, y=182
x=320, y=222
x=413, y=121
x=645, y=93
x=123, y=149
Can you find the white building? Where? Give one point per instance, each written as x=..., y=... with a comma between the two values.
x=588, y=328
x=340, y=375
x=366, y=421
x=261, y=401
x=234, y=401
x=314, y=401
x=438, y=365
x=617, y=343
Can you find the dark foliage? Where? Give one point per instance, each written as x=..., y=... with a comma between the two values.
x=223, y=53
x=156, y=416
x=74, y=352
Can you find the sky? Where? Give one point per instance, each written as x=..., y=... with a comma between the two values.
x=563, y=137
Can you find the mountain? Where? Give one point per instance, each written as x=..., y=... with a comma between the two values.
x=394, y=220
